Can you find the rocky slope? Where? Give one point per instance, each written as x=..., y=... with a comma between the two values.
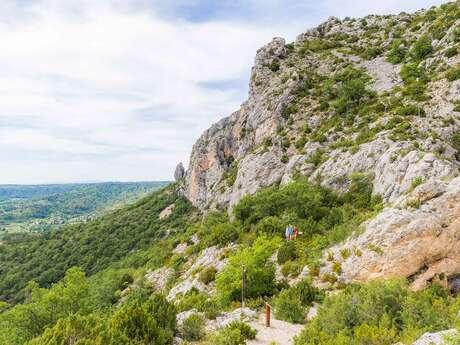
x=259, y=144
x=377, y=96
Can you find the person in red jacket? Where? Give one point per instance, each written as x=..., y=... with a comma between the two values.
x=295, y=232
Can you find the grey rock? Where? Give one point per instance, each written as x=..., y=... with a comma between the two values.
x=438, y=338
x=179, y=173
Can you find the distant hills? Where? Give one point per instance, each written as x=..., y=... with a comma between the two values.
x=25, y=208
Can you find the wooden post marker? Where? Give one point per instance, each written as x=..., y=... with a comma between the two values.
x=267, y=315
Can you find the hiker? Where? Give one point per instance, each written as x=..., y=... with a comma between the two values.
x=291, y=232
x=295, y=232
x=287, y=233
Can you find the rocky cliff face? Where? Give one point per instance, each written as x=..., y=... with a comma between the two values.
x=292, y=123
x=377, y=96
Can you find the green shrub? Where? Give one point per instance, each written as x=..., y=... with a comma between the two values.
x=290, y=268
x=89, y=329
x=378, y=313
x=329, y=278
x=397, y=52
x=236, y=333
x=317, y=158
x=450, y=52
x=288, y=307
x=410, y=109
x=231, y=174
x=421, y=48
x=337, y=267
x=416, y=182
x=208, y=275
x=289, y=109
x=192, y=328
x=177, y=261
x=220, y=234
x=192, y=299
x=246, y=331
x=290, y=304
x=152, y=321
x=345, y=253
x=300, y=143
x=412, y=72
x=274, y=65
x=260, y=272
x=271, y=226
x=287, y=252
x=453, y=73
x=456, y=141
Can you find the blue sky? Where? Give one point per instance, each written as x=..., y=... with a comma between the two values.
x=121, y=89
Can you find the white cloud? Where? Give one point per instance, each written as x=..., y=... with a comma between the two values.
x=88, y=95
x=107, y=90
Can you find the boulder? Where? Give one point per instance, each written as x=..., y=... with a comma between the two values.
x=179, y=173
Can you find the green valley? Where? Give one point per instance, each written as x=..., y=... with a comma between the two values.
x=32, y=208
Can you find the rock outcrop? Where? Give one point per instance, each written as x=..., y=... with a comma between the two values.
x=179, y=173
x=285, y=124
x=438, y=338
x=421, y=243
x=408, y=143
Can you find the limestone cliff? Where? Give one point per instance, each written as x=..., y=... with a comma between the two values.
x=378, y=95
x=290, y=123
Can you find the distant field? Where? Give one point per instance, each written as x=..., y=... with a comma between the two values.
x=28, y=208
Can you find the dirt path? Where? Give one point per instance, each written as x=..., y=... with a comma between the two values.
x=280, y=332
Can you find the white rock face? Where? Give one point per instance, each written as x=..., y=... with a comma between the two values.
x=422, y=243
x=180, y=248
x=159, y=277
x=385, y=74
x=210, y=257
x=240, y=314
x=438, y=338
x=262, y=142
x=166, y=212
x=181, y=317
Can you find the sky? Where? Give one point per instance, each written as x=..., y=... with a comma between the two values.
x=119, y=90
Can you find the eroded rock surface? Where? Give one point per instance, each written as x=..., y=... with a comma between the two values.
x=421, y=243
x=261, y=144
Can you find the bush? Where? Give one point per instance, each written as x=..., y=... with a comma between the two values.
x=260, y=272
x=453, y=73
x=236, y=333
x=245, y=330
x=290, y=304
x=193, y=328
x=421, y=48
x=193, y=298
x=231, y=174
x=271, y=226
x=381, y=312
x=456, y=141
x=408, y=110
x=288, y=307
x=452, y=51
x=336, y=267
x=274, y=65
x=397, y=52
x=291, y=269
x=177, y=261
x=289, y=109
x=208, y=275
x=220, y=234
x=152, y=321
x=287, y=252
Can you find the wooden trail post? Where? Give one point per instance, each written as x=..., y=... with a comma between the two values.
x=243, y=286
x=267, y=315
